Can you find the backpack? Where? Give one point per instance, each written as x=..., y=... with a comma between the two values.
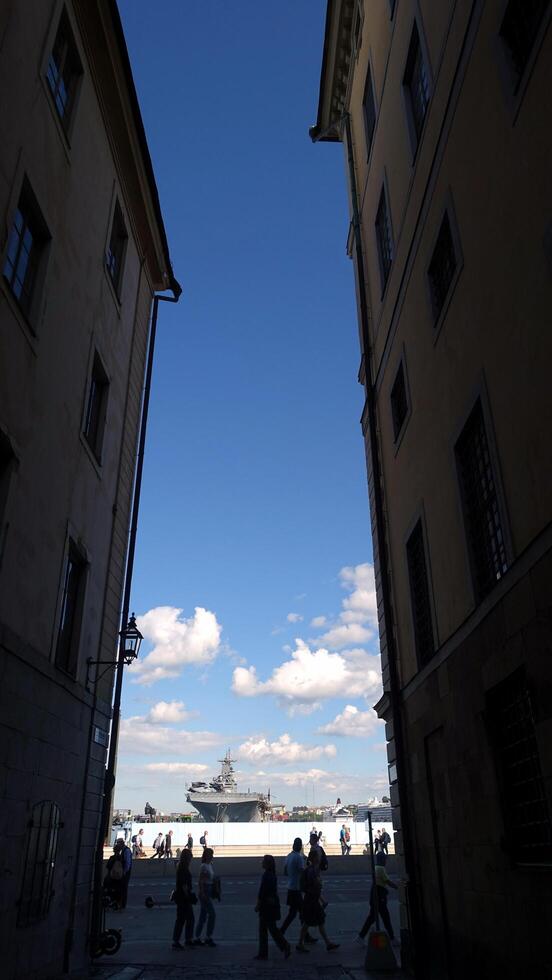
x=134, y=839
x=202, y=840
x=116, y=870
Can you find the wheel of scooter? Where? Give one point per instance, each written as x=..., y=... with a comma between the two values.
x=111, y=940
x=149, y=903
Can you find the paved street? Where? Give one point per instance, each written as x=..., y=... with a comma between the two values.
x=146, y=950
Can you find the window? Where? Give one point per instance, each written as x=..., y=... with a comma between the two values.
x=416, y=85
x=64, y=70
x=391, y=8
x=384, y=239
x=511, y=727
x=519, y=30
x=442, y=267
x=40, y=862
x=369, y=107
x=71, y=611
x=117, y=247
x=480, y=504
x=96, y=405
x=419, y=595
x=399, y=401
x=27, y=241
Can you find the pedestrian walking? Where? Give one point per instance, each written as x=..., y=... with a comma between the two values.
x=385, y=841
x=342, y=840
x=313, y=905
x=113, y=881
x=203, y=839
x=123, y=854
x=382, y=883
x=315, y=845
x=206, y=907
x=377, y=842
x=185, y=900
x=347, y=841
x=190, y=843
x=268, y=908
x=168, y=844
x=158, y=846
x=295, y=864
x=137, y=844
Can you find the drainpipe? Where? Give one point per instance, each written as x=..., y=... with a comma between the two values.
x=381, y=542
x=109, y=779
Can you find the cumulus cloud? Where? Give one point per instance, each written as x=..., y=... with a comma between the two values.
x=311, y=676
x=284, y=749
x=352, y=721
x=138, y=734
x=344, y=634
x=177, y=768
x=176, y=641
x=294, y=617
x=318, y=621
x=358, y=619
x=168, y=712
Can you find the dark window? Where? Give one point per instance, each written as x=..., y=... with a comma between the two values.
x=64, y=70
x=117, y=246
x=399, y=401
x=519, y=30
x=28, y=238
x=40, y=861
x=71, y=611
x=416, y=83
x=480, y=503
x=384, y=239
x=511, y=728
x=96, y=407
x=369, y=107
x=442, y=266
x=419, y=595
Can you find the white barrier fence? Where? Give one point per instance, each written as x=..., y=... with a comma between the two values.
x=265, y=834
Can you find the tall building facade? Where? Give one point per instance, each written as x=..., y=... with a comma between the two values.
x=439, y=107
x=82, y=251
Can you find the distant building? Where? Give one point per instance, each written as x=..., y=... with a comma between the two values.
x=82, y=250
x=448, y=160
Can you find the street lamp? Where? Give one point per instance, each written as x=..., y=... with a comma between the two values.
x=129, y=647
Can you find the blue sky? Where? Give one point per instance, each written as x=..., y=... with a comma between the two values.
x=254, y=498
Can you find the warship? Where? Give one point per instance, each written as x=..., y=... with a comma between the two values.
x=220, y=802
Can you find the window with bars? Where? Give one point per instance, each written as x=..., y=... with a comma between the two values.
x=399, y=401
x=96, y=405
x=482, y=513
x=64, y=70
x=40, y=862
x=369, y=108
x=117, y=247
x=416, y=85
x=442, y=267
x=511, y=727
x=71, y=611
x=384, y=239
x=519, y=30
x=419, y=595
x=26, y=244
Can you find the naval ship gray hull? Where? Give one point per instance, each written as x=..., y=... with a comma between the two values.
x=223, y=808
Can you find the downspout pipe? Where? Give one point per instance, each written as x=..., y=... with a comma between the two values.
x=109, y=780
x=381, y=540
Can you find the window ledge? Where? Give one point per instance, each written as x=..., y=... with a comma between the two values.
x=437, y=325
x=116, y=298
x=21, y=317
x=62, y=132
x=96, y=463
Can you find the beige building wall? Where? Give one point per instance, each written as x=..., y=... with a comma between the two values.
x=53, y=488
x=484, y=154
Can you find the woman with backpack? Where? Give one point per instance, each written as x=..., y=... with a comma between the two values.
x=185, y=899
x=313, y=906
x=268, y=908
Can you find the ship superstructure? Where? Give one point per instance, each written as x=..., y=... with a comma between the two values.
x=220, y=802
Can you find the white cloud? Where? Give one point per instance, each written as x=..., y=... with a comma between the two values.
x=312, y=676
x=343, y=635
x=294, y=617
x=177, y=768
x=168, y=712
x=177, y=642
x=352, y=721
x=318, y=621
x=284, y=749
x=139, y=735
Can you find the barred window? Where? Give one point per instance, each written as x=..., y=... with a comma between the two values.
x=442, y=267
x=71, y=610
x=511, y=726
x=519, y=30
x=40, y=862
x=480, y=501
x=64, y=70
x=416, y=84
x=26, y=244
x=117, y=247
x=369, y=107
x=419, y=595
x=96, y=408
x=384, y=239
x=399, y=401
